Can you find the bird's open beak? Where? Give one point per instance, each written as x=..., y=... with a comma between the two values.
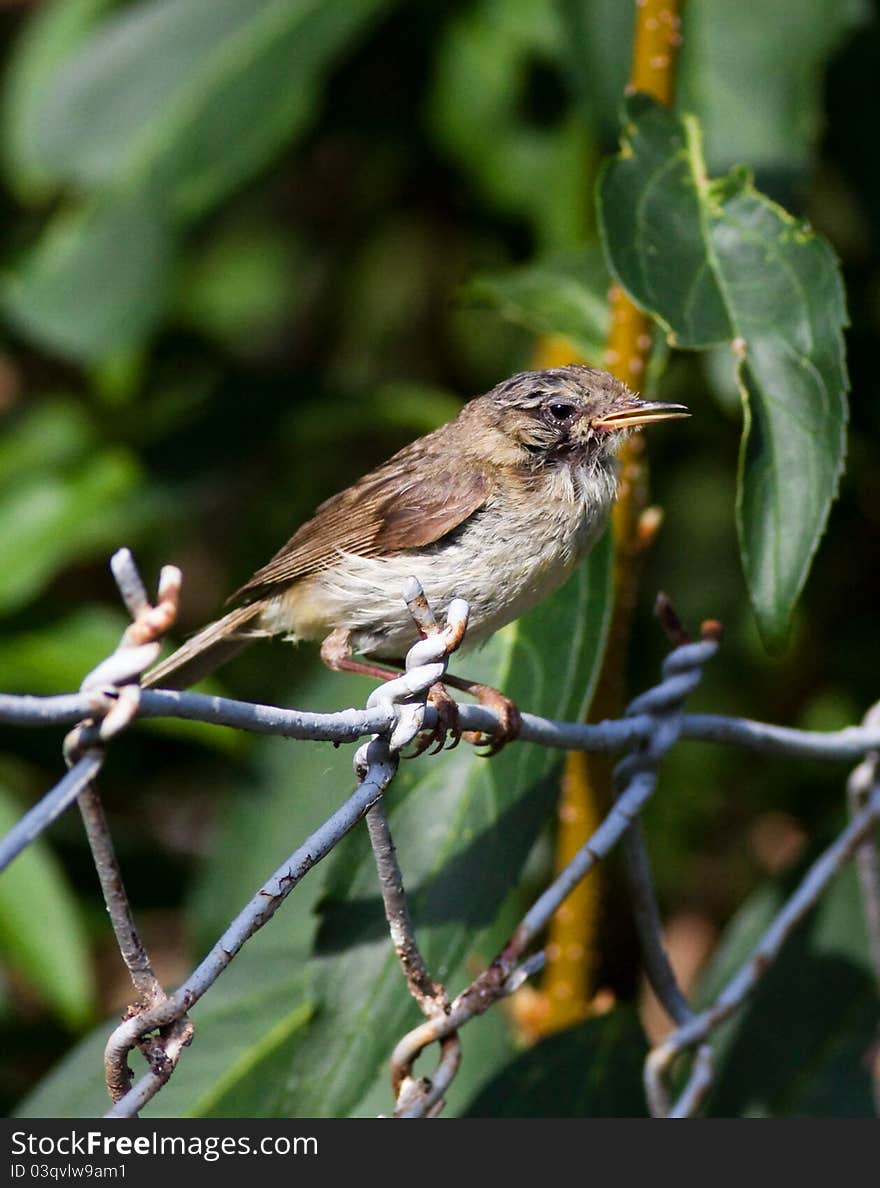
x=635, y=413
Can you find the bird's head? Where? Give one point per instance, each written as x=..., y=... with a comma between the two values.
x=571, y=414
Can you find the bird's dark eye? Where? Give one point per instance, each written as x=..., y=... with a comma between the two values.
x=560, y=411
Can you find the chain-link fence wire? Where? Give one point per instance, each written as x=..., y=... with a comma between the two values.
x=157, y=1023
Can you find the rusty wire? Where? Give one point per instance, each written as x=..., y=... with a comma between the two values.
x=157, y=1023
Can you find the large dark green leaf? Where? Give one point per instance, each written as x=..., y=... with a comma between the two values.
x=154, y=115
x=42, y=935
x=590, y=1071
x=773, y=123
x=715, y=262
x=54, y=30
x=803, y=1043
x=243, y=1027
x=188, y=98
x=287, y=791
x=96, y=281
x=79, y=499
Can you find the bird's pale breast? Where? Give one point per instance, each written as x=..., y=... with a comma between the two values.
x=505, y=558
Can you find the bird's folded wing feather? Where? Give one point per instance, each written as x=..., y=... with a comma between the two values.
x=388, y=511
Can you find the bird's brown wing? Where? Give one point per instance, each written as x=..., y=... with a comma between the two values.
x=408, y=503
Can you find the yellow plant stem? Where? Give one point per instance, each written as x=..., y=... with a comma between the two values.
x=567, y=989
x=655, y=48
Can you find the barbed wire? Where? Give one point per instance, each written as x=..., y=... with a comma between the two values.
x=158, y=1024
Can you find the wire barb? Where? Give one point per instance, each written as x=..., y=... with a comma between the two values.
x=113, y=695
x=405, y=697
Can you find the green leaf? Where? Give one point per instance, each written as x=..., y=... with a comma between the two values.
x=96, y=282
x=564, y=294
x=463, y=827
x=157, y=115
x=64, y=496
x=713, y=262
x=590, y=1071
x=55, y=659
x=783, y=48
x=53, y=519
x=52, y=433
x=189, y=99
x=54, y=30
x=42, y=936
x=803, y=1044
x=288, y=790
x=244, y=1026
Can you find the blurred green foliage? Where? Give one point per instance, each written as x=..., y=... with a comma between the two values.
x=250, y=248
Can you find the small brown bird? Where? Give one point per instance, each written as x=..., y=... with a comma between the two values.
x=496, y=507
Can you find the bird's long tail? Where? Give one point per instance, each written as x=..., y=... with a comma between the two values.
x=206, y=651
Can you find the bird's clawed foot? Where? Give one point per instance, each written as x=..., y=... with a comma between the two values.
x=447, y=725
x=509, y=719
x=445, y=728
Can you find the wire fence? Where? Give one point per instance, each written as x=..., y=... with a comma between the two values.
x=157, y=1023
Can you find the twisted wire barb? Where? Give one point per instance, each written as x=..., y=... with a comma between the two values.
x=114, y=694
